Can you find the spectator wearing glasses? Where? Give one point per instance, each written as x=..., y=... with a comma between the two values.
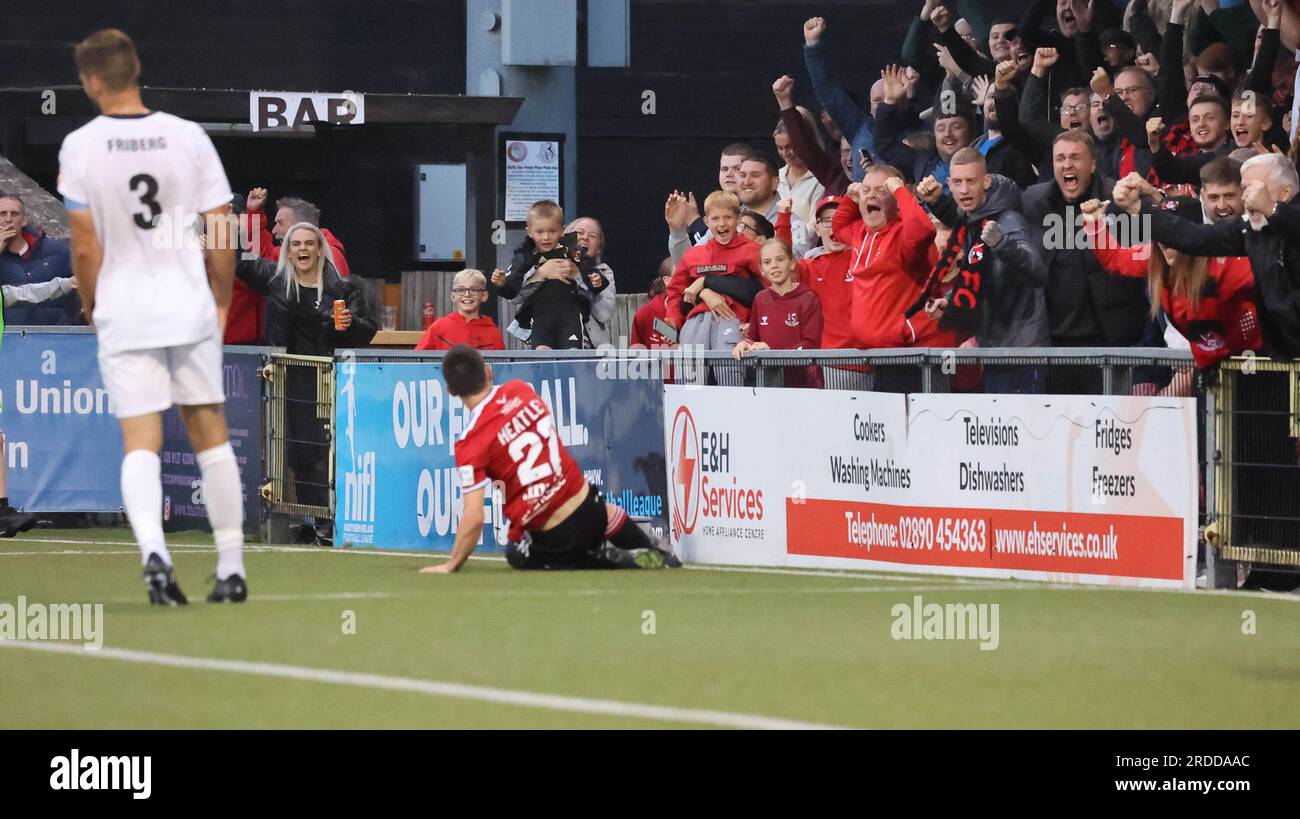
x=756, y=228
x=464, y=326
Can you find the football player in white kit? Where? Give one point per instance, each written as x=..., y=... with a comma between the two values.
x=140, y=187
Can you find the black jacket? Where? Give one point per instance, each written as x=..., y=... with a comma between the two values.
x=1006, y=159
x=284, y=315
x=1082, y=298
x=527, y=257
x=1015, y=315
x=1274, y=254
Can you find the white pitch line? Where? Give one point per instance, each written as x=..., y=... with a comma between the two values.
x=288, y=598
x=847, y=573
x=436, y=688
x=958, y=582
x=254, y=549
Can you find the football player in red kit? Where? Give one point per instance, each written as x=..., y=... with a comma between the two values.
x=557, y=519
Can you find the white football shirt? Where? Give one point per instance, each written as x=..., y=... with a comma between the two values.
x=146, y=180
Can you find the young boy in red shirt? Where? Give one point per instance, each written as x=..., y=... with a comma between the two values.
x=465, y=326
x=785, y=316
x=705, y=317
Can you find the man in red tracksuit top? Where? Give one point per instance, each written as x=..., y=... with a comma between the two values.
x=825, y=269
x=785, y=316
x=713, y=323
x=891, y=245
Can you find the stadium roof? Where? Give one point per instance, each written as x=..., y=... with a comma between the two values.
x=231, y=105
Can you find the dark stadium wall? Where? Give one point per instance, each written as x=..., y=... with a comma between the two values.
x=362, y=180
x=711, y=65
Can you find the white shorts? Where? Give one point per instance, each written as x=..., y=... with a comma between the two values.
x=141, y=382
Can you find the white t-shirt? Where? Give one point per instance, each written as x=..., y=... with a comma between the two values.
x=146, y=180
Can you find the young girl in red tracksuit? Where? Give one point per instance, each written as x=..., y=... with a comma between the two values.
x=1209, y=300
x=891, y=254
x=785, y=316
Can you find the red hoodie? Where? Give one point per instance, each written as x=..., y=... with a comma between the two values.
x=481, y=333
x=1223, y=324
x=829, y=277
x=643, y=325
x=247, y=312
x=740, y=258
x=889, y=269
x=790, y=321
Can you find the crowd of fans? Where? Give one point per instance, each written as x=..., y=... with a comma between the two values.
x=1097, y=173
x=1121, y=175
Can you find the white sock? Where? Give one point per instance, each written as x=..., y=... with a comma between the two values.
x=142, y=498
x=224, y=497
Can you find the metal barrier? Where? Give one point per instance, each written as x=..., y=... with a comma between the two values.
x=1254, y=412
x=300, y=438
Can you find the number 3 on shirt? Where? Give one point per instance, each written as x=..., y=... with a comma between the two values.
x=148, y=198
x=527, y=448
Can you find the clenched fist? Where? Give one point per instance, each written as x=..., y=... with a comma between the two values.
x=929, y=190
x=992, y=234
x=813, y=30
x=1155, y=126
x=1006, y=72
x=1101, y=83
x=1044, y=59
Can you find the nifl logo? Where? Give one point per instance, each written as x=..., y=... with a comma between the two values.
x=359, y=490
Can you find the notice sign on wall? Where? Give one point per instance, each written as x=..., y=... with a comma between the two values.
x=532, y=174
x=287, y=109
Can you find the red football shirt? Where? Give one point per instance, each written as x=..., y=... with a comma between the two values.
x=452, y=329
x=511, y=438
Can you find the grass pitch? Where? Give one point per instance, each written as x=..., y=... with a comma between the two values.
x=492, y=648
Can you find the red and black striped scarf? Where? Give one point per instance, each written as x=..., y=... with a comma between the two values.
x=969, y=260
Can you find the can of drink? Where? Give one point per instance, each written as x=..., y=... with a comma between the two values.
x=339, y=307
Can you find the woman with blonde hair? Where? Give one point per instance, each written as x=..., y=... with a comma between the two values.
x=300, y=293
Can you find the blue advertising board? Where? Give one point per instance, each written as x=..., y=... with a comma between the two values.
x=62, y=442
x=396, y=484
x=183, y=507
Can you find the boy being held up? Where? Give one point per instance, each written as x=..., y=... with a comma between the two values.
x=555, y=281
x=464, y=326
x=714, y=283
x=786, y=316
